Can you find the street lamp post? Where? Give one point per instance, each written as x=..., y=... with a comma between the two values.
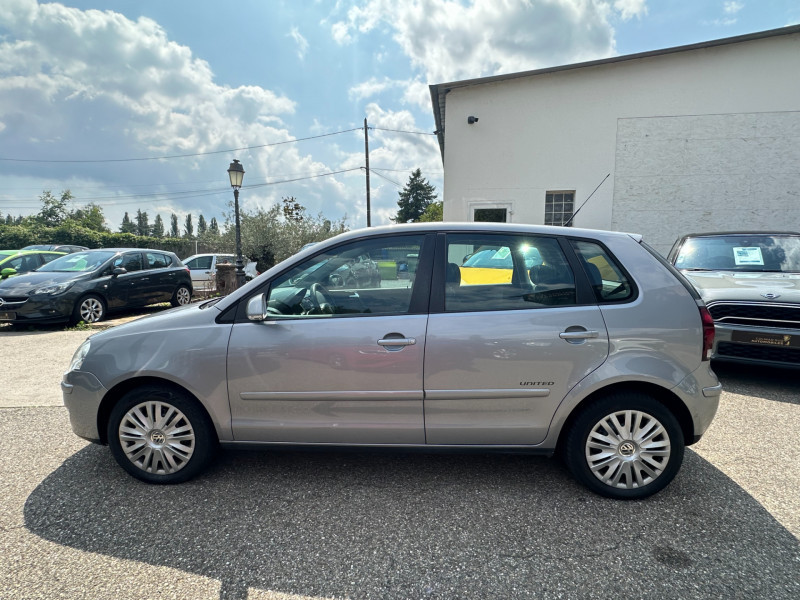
x=236, y=174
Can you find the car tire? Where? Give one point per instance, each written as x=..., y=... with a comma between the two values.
x=161, y=435
x=182, y=296
x=625, y=446
x=89, y=309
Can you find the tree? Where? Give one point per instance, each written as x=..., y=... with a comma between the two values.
x=158, y=227
x=415, y=197
x=127, y=226
x=433, y=212
x=173, y=229
x=202, y=227
x=292, y=209
x=54, y=210
x=142, y=224
x=213, y=228
x=91, y=217
x=188, y=228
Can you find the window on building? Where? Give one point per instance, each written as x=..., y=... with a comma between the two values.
x=558, y=207
x=490, y=215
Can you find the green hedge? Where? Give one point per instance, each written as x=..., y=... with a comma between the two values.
x=13, y=237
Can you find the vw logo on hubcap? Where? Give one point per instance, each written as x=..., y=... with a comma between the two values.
x=627, y=448
x=158, y=437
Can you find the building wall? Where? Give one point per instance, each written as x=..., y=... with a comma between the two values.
x=729, y=112
x=720, y=172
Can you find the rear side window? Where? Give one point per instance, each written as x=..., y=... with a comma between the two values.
x=156, y=260
x=608, y=280
x=506, y=272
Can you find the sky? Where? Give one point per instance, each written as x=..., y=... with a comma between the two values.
x=142, y=104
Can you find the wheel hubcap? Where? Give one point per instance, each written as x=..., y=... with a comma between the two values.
x=628, y=449
x=157, y=437
x=91, y=310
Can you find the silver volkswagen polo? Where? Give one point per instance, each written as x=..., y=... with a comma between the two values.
x=557, y=339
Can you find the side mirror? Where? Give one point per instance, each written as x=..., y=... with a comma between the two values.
x=119, y=271
x=257, y=308
x=7, y=272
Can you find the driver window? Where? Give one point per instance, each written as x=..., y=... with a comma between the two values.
x=368, y=277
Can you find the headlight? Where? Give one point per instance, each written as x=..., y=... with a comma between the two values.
x=52, y=290
x=77, y=359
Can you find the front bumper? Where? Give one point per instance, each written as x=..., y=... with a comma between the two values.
x=83, y=394
x=757, y=345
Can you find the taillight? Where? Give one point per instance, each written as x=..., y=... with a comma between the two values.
x=708, y=332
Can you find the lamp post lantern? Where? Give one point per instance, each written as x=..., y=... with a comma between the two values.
x=236, y=174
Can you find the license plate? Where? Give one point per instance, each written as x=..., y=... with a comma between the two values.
x=766, y=339
x=7, y=316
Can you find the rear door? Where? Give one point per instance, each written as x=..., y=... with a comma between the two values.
x=507, y=340
x=333, y=365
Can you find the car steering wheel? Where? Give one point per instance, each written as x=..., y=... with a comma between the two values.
x=321, y=297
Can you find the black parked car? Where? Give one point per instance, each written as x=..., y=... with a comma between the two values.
x=86, y=286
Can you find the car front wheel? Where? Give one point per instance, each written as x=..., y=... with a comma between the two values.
x=625, y=446
x=160, y=435
x=89, y=309
x=182, y=296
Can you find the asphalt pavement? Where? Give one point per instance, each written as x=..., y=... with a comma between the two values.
x=283, y=525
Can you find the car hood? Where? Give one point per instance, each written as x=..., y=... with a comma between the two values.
x=182, y=317
x=20, y=285
x=747, y=286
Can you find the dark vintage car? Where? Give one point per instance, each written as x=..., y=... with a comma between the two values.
x=86, y=286
x=750, y=282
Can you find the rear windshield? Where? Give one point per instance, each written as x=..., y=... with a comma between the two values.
x=756, y=252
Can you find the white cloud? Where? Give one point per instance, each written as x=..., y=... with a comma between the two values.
x=302, y=43
x=631, y=8
x=448, y=40
x=731, y=8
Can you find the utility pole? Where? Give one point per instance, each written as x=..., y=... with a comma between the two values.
x=366, y=152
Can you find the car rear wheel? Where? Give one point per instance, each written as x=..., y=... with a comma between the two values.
x=160, y=435
x=182, y=296
x=89, y=309
x=625, y=446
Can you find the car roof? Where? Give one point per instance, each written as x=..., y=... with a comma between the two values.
x=15, y=252
x=721, y=233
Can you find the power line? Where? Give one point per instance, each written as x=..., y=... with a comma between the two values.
x=164, y=196
x=404, y=131
x=120, y=160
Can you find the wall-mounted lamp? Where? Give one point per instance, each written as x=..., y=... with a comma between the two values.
x=472, y=120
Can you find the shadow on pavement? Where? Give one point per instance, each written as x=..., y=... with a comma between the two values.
x=401, y=525
x=770, y=383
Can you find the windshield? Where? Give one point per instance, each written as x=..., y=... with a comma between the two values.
x=756, y=252
x=79, y=262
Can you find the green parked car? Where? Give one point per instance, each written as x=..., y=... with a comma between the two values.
x=14, y=262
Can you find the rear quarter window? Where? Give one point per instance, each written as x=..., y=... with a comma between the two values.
x=609, y=281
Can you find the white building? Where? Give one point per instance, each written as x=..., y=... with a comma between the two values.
x=703, y=137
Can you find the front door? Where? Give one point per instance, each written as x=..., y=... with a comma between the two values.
x=334, y=364
x=509, y=343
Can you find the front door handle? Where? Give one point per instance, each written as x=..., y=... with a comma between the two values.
x=578, y=335
x=398, y=342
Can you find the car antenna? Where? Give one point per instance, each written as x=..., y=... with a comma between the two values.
x=585, y=201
